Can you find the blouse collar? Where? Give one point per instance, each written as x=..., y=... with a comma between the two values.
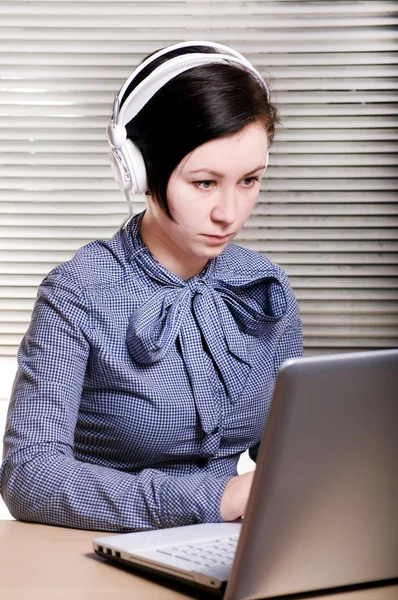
x=223, y=305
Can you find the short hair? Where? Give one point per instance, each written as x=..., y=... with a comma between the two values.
x=201, y=104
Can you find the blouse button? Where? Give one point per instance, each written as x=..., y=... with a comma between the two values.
x=202, y=462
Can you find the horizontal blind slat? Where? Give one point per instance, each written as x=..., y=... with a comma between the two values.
x=15, y=160
x=355, y=269
x=349, y=308
x=352, y=198
x=333, y=10
x=311, y=234
x=271, y=221
x=82, y=95
x=40, y=53
x=55, y=172
x=262, y=246
x=23, y=259
x=262, y=209
x=352, y=342
x=56, y=130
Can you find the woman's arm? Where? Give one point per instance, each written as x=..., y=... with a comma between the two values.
x=290, y=345
x=40, y=478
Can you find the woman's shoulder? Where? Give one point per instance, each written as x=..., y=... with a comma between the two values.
x=98, y=263
x=242, y=261
x=255, y=281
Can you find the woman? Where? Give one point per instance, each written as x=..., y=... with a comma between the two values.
x=150, y=360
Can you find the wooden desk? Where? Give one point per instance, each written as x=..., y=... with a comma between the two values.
x=38, y=562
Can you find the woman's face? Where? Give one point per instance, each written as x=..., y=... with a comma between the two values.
x=210, y=194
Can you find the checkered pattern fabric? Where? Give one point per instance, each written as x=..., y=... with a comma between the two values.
x=137, y=391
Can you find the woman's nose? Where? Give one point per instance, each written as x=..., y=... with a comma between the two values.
x=225, y=208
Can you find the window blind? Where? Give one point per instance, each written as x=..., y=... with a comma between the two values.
x=327, y=211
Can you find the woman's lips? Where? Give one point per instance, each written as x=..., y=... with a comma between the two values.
x=217, y=239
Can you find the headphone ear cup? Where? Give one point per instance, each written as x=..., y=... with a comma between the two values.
x=136, y=167
x=128, y=168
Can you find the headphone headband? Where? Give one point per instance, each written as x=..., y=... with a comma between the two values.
x=126, y=160
x=221, y=47
x=147, y=88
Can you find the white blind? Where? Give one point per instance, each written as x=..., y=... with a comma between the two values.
x=328, y=208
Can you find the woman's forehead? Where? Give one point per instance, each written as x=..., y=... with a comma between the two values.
x=243, y=151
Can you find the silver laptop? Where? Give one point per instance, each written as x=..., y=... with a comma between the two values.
x=323, y=509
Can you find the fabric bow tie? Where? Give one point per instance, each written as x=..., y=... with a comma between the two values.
x=219, y=312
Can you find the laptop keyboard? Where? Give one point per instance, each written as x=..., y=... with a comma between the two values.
x=217, y=552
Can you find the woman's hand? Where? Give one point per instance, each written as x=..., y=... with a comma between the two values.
x=234, y=499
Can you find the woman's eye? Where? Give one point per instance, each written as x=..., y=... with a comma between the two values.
x=249, y=181
x=208, y=184
x=204, y=185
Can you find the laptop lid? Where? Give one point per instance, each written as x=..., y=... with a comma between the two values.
x=323, y=510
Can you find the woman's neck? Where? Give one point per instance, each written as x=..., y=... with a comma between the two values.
x=166, y=253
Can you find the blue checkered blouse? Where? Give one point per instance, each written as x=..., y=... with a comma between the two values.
x=137, y=391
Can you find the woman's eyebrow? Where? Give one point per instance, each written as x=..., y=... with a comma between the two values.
x=217, y=174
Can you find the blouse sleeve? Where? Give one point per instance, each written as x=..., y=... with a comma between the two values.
x=40, y=479
x=290, y=344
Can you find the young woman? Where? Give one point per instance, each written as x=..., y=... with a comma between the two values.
x=150, y=360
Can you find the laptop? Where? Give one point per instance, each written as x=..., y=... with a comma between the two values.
x=323, y=508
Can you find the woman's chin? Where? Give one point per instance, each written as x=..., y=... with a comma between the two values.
x=211, y=251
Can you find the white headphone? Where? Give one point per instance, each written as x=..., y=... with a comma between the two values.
x=126, y=159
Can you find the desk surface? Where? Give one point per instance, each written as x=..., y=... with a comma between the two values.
x=53, y=563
